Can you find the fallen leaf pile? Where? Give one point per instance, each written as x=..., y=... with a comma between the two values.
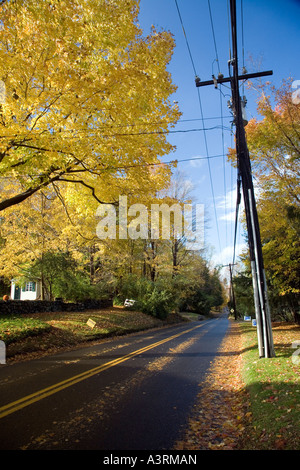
x=221, y=410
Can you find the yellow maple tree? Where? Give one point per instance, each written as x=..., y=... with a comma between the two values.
x=87, y=99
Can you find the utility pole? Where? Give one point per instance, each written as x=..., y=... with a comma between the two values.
x=263, y=316
x=232, y=292
x=232, y=295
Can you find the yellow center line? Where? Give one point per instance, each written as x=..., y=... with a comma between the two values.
x=40, y=394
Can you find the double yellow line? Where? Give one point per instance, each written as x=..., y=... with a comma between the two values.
x=46, y=392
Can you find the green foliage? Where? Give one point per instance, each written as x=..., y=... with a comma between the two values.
x=129, y=286
x=282, y=307
x=157, y=300
x=61, y=277
x=243, y=292
x=166, y=294
x=154, y=298
x=204, y=293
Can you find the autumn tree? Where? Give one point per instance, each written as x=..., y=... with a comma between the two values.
x=179, y=193
x=29, y=232
x=61, y=275
x=274, y=147
x=202, y=288
x=84, y=119
x=87, y=99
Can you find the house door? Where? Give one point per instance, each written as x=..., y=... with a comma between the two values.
x=17, y=293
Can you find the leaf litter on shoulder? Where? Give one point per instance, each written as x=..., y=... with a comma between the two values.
x=221, y=407
x=236, y=412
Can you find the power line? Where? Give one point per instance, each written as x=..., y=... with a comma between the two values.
x=221, y=107
x=125, y=167
x=229, y=36
x=202, y=117
x=127, y=134
x=242, y=33
x=135, y=124
x=238, y=201
x=213, y=33
x=186, y=39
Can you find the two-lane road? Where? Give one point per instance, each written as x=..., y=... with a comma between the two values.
x=130, y=393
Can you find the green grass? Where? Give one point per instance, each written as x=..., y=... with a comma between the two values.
x=273, y=387
x=15, y=328
x=50, y=331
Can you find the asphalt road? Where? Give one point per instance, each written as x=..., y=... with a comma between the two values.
x=130, y=393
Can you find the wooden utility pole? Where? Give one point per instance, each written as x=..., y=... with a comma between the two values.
x=232, y=295
x=263, y=316
x=232, y=292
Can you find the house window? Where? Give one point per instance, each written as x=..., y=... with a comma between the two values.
x=29, y=286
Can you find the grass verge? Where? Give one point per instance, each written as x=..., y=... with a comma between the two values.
x=247, y=403
x=273, y=388
x=29, y=336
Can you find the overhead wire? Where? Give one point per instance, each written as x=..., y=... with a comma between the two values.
x=213, y=34
x=134, y=165
x=221, y=108
x=202, y=117
x=77, y=132
x=229, y=37
x=243, y=42
x=186, y=39
x=238, y=201
x=242, y=33
x=238, y=195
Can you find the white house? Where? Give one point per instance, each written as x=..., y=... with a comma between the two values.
x=31, y=290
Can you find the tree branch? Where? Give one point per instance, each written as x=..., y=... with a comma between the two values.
x=91, y=188
x=29, y=192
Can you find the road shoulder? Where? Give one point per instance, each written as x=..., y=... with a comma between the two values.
x=220, y=412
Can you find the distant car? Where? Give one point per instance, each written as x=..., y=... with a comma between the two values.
x=129, y=303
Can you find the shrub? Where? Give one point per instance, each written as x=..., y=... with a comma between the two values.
x=153, y=298
x=156, y=301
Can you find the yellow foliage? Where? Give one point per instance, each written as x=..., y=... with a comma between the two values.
x=87, y=99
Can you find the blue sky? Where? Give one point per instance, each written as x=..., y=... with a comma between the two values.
x=270, y=41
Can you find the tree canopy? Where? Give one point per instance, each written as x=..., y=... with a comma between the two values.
x=85, y=114
x=87, y=99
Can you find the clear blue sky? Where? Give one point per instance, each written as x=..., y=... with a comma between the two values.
x=271, y=40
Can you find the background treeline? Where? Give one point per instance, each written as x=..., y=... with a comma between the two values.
x=274, y=144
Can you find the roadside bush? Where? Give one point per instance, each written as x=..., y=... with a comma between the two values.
x=156, y=301
x=153, y=298
x=129, y=287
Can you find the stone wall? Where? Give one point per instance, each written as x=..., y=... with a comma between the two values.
x=15, y=307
